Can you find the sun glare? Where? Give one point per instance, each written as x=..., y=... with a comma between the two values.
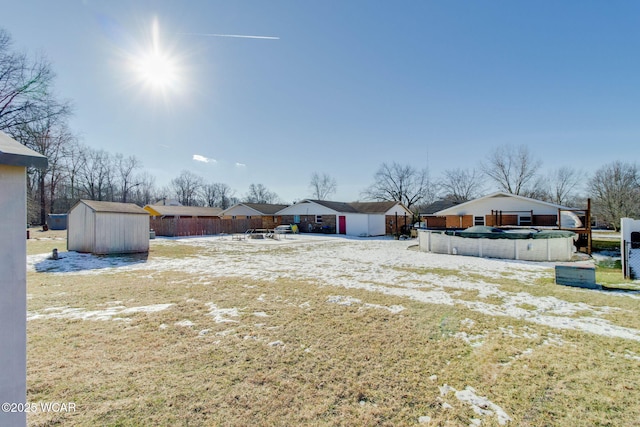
x=157, y=70
x=154, y=67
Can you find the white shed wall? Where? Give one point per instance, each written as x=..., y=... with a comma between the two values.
x=364, y=225
x=121, y=233
x=377, y=225
x=627, y=226
x=399, y=210
x=357, y=224
x=13, y=292
x=81, y=235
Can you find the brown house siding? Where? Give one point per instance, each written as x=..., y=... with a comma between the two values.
x=459, y=221
x=271, y=221
x=506, y=220
x=390, y=223
x=308, y=223
x=545, y=220
x=435, y=221
x=501, y=219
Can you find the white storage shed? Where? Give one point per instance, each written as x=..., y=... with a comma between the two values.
x=107, y=228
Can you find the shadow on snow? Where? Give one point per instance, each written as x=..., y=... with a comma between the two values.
x=75, y=261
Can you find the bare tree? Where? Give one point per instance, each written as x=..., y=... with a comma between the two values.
x=144, y=192
x=564, y=182
x=74, y=157
x=258, y=193
x=322, y=186
x=512, y=169
x=125, y=168
x=461, y=185
x=186, y=187
x=227, y=196
x=217, y=195
x=48, y=137
x=25, y=89
x=401, y=183
x=615, y=190
x=540, y=189
x=97, y=175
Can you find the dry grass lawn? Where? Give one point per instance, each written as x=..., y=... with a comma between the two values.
x=234, y=351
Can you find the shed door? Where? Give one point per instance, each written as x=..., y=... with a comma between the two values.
x=342, y=225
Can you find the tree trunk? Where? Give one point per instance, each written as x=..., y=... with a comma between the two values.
x=43, y=198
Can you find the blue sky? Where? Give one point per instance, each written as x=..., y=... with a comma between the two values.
x=346, y=86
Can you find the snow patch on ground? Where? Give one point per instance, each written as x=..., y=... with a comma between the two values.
x=185, y=323
x=110, y=313
x=378, y=265
x=472, y=340
x=221, y=315
x=349, y=301
x=480, y=404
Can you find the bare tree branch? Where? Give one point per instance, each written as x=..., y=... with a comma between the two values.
x=258, y=193
x=615, y=189
x=401, y=183
x=25, y=89
x=322, y=186
x=461, y=185
x=512, y=169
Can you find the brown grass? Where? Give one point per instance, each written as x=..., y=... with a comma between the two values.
x=309, y=361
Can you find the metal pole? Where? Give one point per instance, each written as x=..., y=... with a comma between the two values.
x=396, y=223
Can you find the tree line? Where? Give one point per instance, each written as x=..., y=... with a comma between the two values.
x=32, y=114
x=614, y=188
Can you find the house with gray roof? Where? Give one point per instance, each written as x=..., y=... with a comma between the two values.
x=352, y=219
x=266, y=212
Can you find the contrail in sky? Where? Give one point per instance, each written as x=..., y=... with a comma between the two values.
x=241, y=36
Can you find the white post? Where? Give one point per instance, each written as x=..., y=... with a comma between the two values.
x=13, y=293
x=14, y=160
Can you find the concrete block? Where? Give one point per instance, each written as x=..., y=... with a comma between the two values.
x=577, y=275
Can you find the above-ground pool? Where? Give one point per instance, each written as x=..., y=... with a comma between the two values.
x=523, y=244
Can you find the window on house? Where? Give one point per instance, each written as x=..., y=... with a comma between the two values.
x=319, y=218
x=478, y=220
x=234, y=217
x=296, y=219
x=524, y=220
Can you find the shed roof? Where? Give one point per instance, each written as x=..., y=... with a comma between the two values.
x=183, y=211
x=12, y=153
x=114, y=207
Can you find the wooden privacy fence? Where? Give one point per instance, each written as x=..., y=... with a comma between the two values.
x=173, y=227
